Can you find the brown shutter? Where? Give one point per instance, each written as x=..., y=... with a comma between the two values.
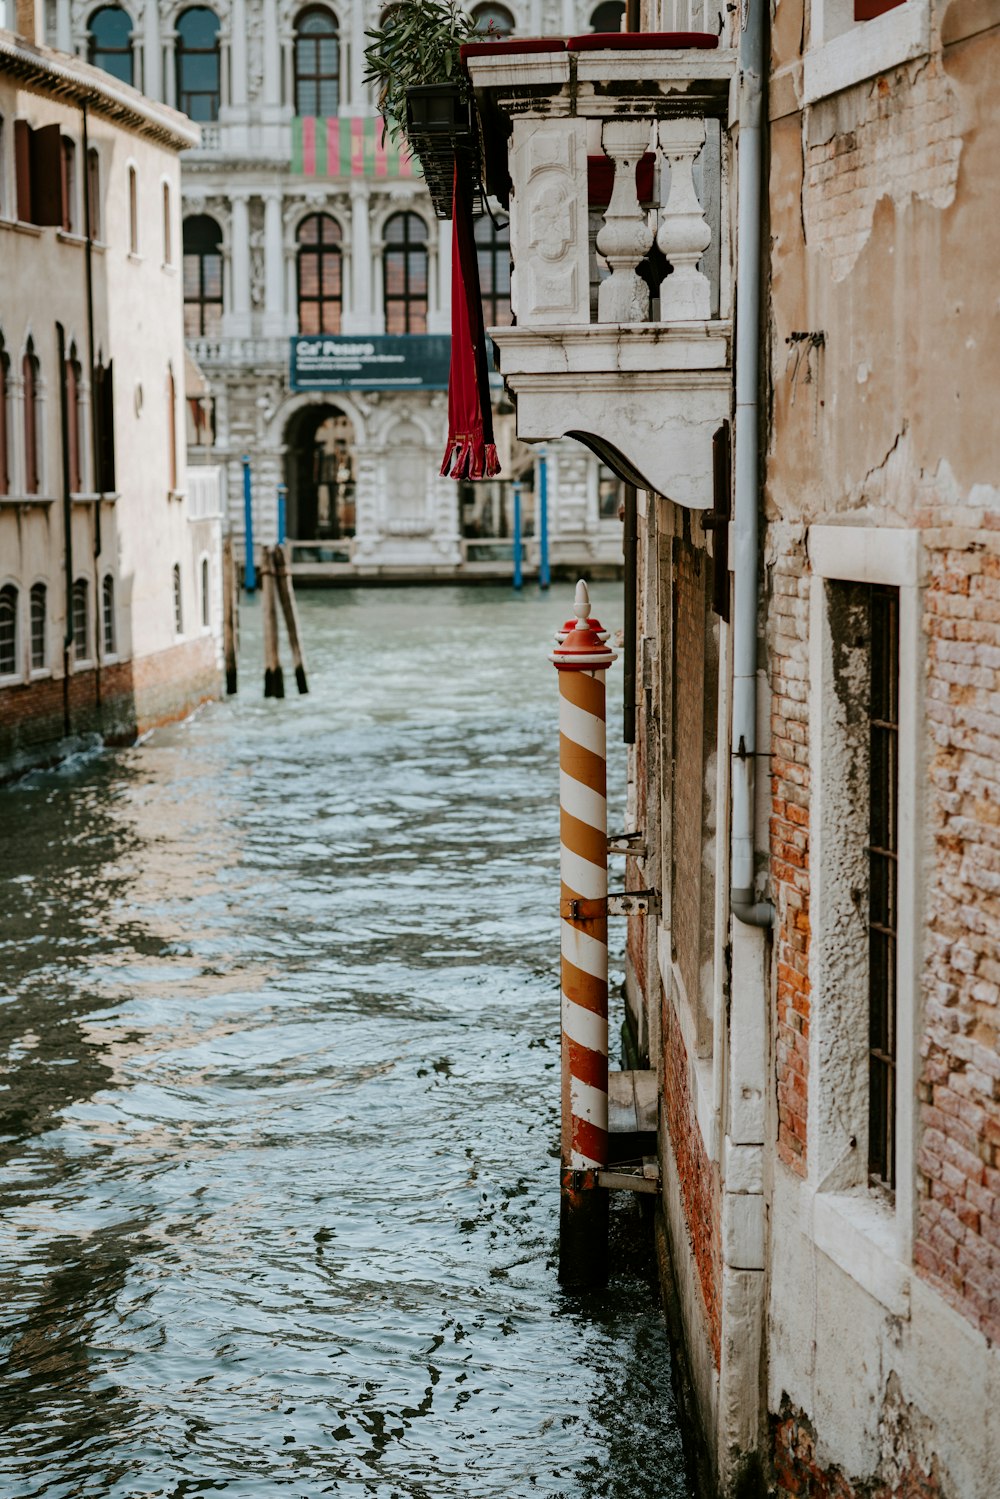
x=47, y=190
x=22, y=158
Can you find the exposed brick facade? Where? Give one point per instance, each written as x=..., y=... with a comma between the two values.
x=699, y=1180
x=129, y=698
x=904, y=1472
x=789, y=833
x=958, y=1238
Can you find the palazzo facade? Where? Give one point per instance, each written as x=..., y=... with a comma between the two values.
x=300, y=219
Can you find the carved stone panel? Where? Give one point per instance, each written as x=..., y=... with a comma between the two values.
x=549, y=228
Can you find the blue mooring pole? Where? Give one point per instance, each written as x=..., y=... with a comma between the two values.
x=282, y=493
x=543, y=520
x=517, y=533
x=249, y=571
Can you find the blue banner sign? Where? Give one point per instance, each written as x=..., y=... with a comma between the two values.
x=409, y=361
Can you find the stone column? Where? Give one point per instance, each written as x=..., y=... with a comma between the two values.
x=225, y=72
x=169, y=68
x=358, y=313
x=152, y=57
x=274, y=265
x=64, y=26
x=238, y=54
x=239, y=321
x=272, y=54
x=288, y=67
x=356, y=90
x=377, y=297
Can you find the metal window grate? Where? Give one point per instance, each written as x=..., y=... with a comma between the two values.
x=883, y=859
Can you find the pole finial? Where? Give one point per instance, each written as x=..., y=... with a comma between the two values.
x=581, y=644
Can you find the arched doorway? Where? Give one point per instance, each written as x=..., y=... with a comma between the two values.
x=319, y=472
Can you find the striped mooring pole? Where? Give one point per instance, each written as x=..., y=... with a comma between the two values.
x=582, y=657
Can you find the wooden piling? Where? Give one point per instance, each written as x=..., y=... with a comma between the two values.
x=230, y=627
x=274, y=681
x=286, y=594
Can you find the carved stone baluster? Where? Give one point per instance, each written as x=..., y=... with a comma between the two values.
x=625, y=238
x=683, y=236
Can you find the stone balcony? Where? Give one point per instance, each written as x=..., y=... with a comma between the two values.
x=614, y=164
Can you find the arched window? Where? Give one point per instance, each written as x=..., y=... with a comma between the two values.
x=29, y=371
x=202, y=276
x=404, y=267
x=168, y=227
x=493, y=254
x=39, y=627
x=108, y=614
x=133, y=212
x=317, y=63
x=178, y=601
x=93, y=225
x=81, y=620
x=73, y=420
x=205, y=600
x=320, y=274
x=4, y=443
x=495, y=19
x=109, y=41
x=8, y=630
x=608, y=17
x=198, y=63
x=171, y=427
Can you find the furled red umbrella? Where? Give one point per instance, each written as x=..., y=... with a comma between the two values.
x=471, y=451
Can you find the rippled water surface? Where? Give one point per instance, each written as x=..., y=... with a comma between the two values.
x=279, y=1107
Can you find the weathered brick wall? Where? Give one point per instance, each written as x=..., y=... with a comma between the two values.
x=688, y=676
x=699, y=1179
x=908, y=1469
x=134, y=697
x=958, y=1236
x=788, y=620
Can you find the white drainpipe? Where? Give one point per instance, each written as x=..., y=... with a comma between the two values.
x=747, y=464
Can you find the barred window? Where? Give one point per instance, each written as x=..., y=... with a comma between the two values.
x=81, y=620
x=39, y=627
x=8, y=630
x=108, y=615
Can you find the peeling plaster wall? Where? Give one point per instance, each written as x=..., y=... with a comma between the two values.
x=883, y=1366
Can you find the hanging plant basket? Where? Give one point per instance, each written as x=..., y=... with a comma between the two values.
x=441, y=130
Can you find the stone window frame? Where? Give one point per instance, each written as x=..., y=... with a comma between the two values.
x=869, y=1236
x=842, y=51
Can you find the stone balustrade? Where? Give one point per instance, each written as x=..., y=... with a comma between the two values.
x=614, y=164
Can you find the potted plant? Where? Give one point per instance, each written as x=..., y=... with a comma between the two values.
x=423, y=93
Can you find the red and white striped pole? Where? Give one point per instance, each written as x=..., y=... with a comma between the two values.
x=582, y=657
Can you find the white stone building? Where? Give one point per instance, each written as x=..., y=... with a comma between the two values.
x=110, y=618
x=297, y=220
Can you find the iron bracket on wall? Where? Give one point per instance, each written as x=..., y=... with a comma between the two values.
x=627, y=843
x=622, y=903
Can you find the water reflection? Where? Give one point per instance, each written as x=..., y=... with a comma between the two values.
x=279, y=1106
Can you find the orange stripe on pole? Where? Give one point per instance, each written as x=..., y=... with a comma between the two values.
x=584, y=691
x=583, y=765
x=583, y=989
x=589, y=1140
x=581, y=838
x=589, y=1066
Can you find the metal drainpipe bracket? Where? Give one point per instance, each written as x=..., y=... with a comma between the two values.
x=622, y=903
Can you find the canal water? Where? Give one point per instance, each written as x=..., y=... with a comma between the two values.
x=279, y=1107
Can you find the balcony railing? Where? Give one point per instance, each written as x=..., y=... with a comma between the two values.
x=213, y=353
x=615, y=166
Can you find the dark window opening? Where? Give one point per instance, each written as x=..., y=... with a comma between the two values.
x=608, y=17
x=202, y=276
x=29, y=371
x=8, y=630
x=317, y=64
x=109, y=42
x=108, y=614
x=81, y=620
x=320, y=274
x=404, y=269
x=496, y=20
x=68, y=165
x=198, y=64
x=104, y=428
x=39, y=624
x=4, y=443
